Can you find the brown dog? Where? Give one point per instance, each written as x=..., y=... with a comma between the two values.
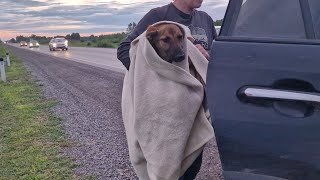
x=167, y=40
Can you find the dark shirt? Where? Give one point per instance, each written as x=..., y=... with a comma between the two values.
x=200, y=24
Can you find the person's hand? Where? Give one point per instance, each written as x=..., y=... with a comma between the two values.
x=203, y=51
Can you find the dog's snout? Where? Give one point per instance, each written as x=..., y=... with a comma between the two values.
x=180, y=57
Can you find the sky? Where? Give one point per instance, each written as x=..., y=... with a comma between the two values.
x=61, y=17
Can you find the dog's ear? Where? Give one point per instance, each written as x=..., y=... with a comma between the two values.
x=151, y=32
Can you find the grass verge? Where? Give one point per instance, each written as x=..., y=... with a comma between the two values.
x=30, y=136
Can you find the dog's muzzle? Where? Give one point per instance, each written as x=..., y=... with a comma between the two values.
x=179, y=57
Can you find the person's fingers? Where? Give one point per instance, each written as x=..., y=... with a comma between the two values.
x=199, y=46
x=206, y=54
x=203, y=51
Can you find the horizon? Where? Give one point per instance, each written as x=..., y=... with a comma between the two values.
x=86, y=17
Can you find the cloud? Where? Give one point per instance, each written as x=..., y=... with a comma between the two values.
x=28, y=3
x=83, y=16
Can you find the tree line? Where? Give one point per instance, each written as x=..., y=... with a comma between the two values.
x=44, y=39
x=109, y=41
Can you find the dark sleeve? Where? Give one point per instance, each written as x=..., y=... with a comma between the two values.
x=212, y=31
x=123, y=50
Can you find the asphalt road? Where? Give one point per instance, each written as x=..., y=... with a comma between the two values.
x=90, y=107
x=100, y=57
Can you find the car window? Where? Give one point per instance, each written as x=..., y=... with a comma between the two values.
x=315, y=12
x=270, y=19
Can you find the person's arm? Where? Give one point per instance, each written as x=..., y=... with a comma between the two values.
x=213, y=32
x=123, y=50
x=214, y=35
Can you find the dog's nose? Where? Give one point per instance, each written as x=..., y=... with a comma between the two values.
x=180, y=57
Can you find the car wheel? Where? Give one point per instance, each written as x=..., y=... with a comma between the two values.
x=66, y=49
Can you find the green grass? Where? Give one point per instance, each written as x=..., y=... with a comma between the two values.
x=81, y=44
x=102, y=43
x=30, y=136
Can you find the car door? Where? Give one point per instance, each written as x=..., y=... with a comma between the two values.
x=263, y=89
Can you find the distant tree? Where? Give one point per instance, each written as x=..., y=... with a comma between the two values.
x=21, y=38
x=12, y=40
x=34, y=37
x=75, y=36
x=68, y=36
x=218, y=22
x=131, y=27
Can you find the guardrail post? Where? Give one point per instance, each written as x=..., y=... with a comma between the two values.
x=8, y=60
x=2, y=69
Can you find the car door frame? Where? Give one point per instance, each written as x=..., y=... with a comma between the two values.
x=231, y=17
x=233, y=11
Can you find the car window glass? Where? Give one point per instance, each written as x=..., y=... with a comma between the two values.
x=315, y=12
x=270, y=19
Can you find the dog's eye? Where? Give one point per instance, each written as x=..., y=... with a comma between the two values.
x=166, y=40
x=180, y=37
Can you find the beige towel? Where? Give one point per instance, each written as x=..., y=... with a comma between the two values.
x=162, y=110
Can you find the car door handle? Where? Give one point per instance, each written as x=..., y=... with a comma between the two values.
x=279, y=94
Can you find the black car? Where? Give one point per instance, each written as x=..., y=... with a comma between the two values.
x=263, y=89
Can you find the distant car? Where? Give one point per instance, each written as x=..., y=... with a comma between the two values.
x=33, y=43
x=263, y=90
x=58, y=43
x=23, y=43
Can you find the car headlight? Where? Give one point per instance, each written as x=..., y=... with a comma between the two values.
x=31, y=44
x=37, y=44
x=54, y=45
x=66, y=43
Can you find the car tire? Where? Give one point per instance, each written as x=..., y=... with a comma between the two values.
x=66, y=49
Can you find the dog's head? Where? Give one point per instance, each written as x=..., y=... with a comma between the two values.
x=168, y=41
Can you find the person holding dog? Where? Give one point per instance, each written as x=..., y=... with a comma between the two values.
x=184, y=12
x=202, y=30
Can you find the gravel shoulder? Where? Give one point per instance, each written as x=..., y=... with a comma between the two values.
x=90, y=106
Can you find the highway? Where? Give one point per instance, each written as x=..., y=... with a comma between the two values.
x=100, y=57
